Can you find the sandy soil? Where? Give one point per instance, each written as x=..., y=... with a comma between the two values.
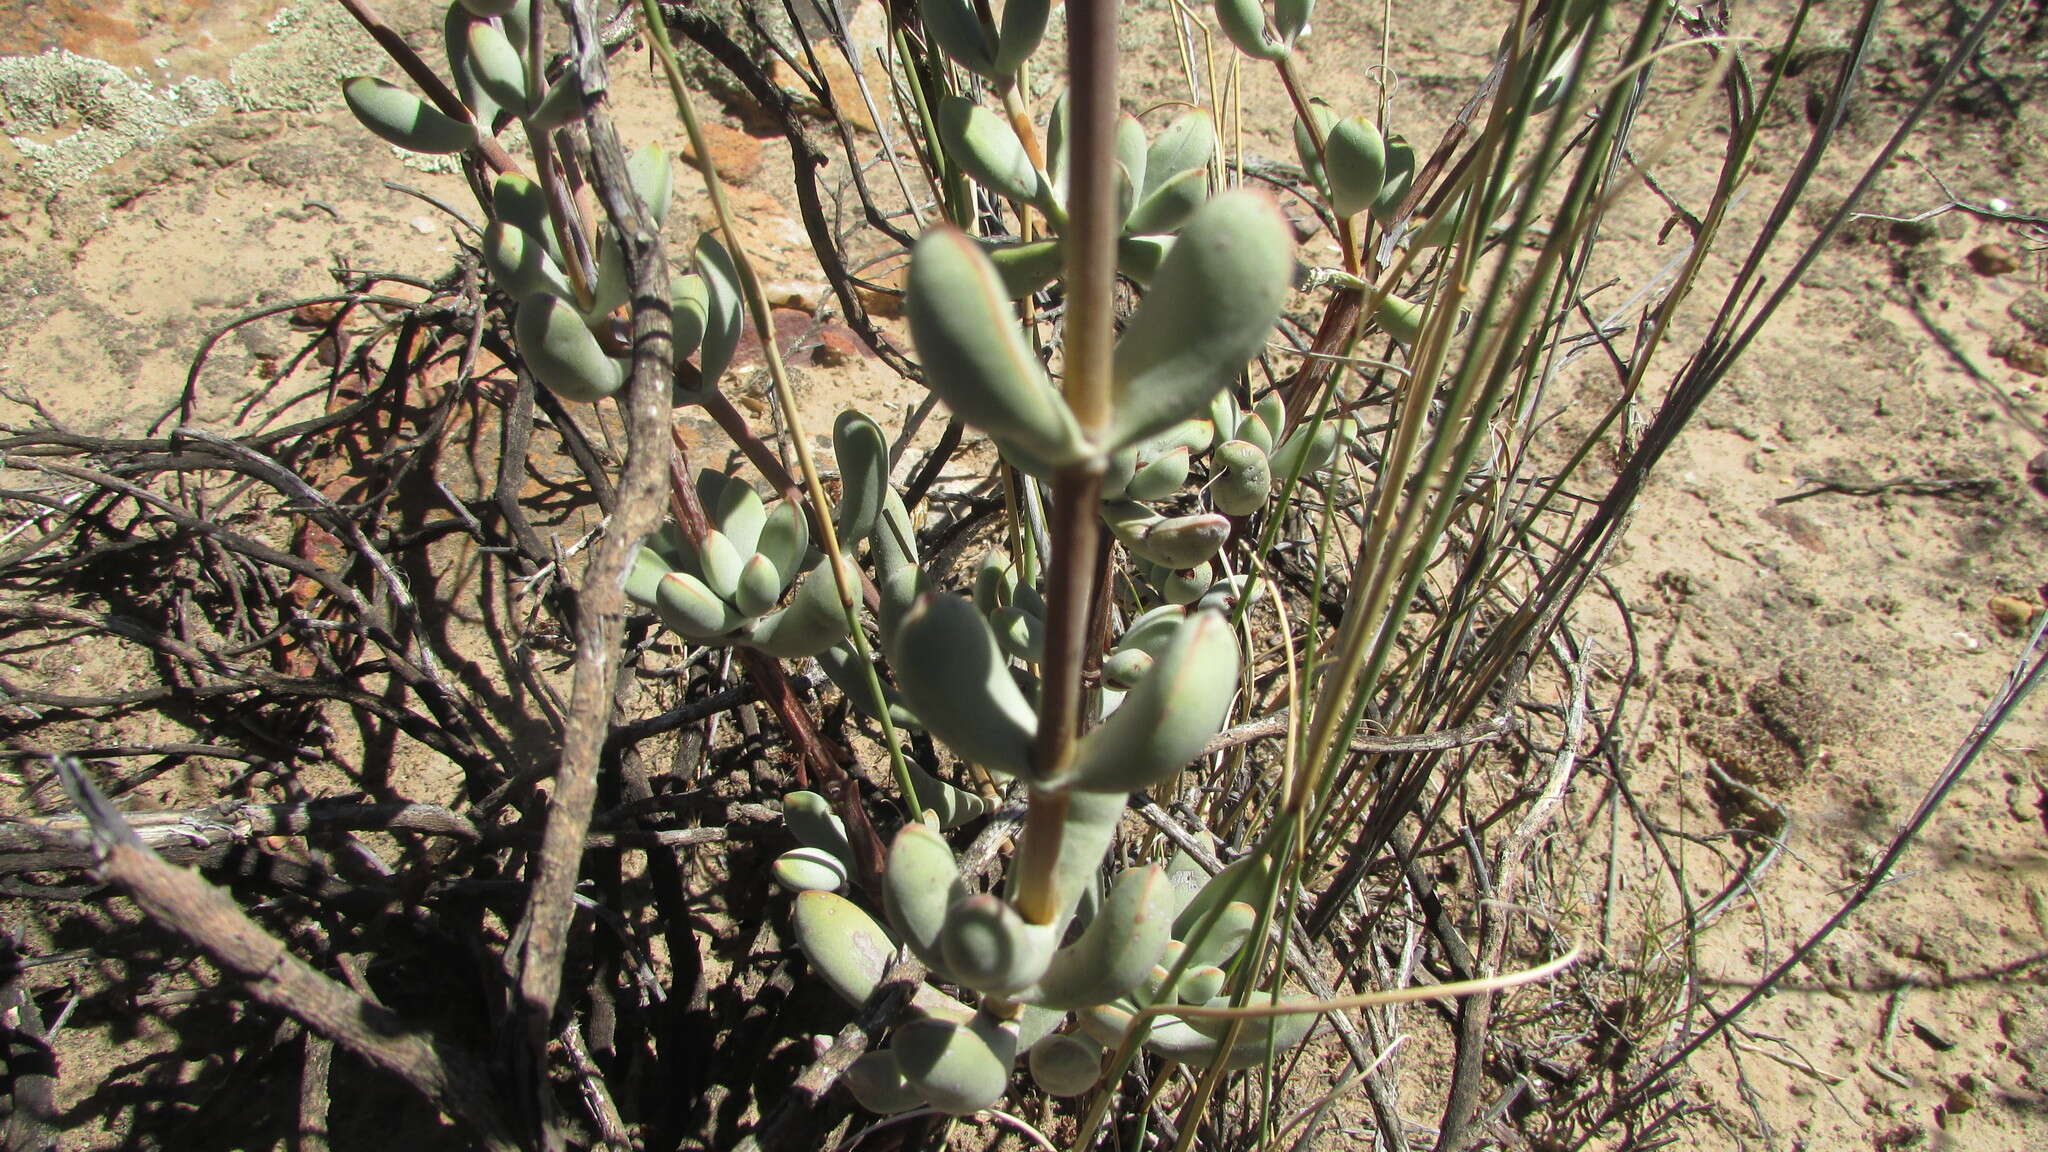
x=1825, y=586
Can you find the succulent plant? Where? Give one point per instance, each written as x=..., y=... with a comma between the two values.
x=1049, y=976
x=1164, y=181
x=1153, y=923
x=565, y=325
x=1260, y=33
x=735, y=585
x=992, y=52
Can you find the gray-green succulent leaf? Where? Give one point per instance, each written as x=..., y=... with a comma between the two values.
x=958, y=1068
x=1122, y=943
x=1065, y=1064
x=957, y=679
x=878, y=1085
x=976, y=358
x=399, y=117
x=1164, y=722
x=1211, y=307
x=561, y=352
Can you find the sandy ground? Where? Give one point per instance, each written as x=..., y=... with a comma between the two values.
x=1826, y=584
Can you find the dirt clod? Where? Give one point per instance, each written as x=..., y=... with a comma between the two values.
x=2031, y=310
x=2029, y=356
x=2012, y=614
x=1993, y=260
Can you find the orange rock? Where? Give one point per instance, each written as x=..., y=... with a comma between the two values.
x=2013, y=615
x=837, y=347
x=736, y=154
x=846, y=91
x=1993, y=260
x=2029, y=356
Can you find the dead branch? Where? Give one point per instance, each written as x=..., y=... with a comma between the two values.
x=183, y=903
x=601, y=603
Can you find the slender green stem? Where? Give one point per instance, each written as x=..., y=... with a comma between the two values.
x=785, y=393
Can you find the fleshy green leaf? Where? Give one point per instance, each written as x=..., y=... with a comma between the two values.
x=1211, y=307
x=809, y=870
x=1026, y=268
x=957, y=1067
x=499, y=67
x=1186, y=145
x=957, y=29
x=522, y=203
x=723, y=321
x=562, y=353
x=1357, y=165
x=1065, y=1065
x=1022, y=30
x=862, y=452
x=1244, y=22
x=877, y=1084
x=988, y=946
x=520, y=265
x=1171, y=204
x=1243, y=480
x=1290, y=17
x=1165, y=722
x=686, y=606
x=985, y=147
x=654, y=180
x=958, y=682
x=759, y=588
x=401, y=118
x=975, y=356
x=1120, y=946
x=1399, y=177
x=811, y=622
x=920, y=883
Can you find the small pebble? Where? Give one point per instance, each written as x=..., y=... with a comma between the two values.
x=1993, y=260
x=2012, y=614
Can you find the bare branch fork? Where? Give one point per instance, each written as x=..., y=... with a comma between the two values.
x=601, y=606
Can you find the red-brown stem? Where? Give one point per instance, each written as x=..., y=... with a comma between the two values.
x=1091, y=236
x=1302, y=388
x=755, y=449
x=446, y=100
x=833, y=780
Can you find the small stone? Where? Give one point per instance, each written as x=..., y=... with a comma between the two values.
x=2031, y=310
x=1939, y=1041
x=1993, y=260
x=316, y=315
x=423, y=225
x=2029, y=356
x=1913, y=233
x=836, y=347
x=802, y=295
x=2013, y=615
x=885, y=297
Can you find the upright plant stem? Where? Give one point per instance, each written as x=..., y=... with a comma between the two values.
x=1091, y=237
